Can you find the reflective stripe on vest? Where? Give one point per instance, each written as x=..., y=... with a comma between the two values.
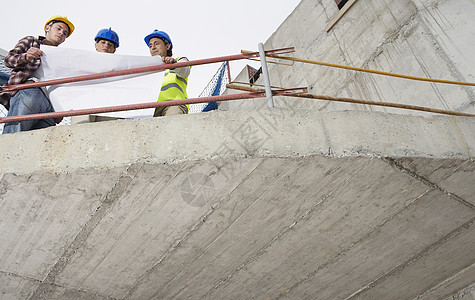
x=173, y=86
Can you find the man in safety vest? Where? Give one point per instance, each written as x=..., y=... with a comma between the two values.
x=106, y=41
x=24, y=60
x=175, y=81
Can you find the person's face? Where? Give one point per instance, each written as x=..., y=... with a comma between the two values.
x=158, y=47
x=56, y=33
x=105, y=46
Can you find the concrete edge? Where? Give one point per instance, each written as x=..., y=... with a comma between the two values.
x=237, y=134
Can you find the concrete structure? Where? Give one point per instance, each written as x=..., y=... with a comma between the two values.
x=425, y=38
x=291, y=203
x=268, y=205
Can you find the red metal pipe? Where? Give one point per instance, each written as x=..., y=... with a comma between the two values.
x=91, y=111
x=123, y=72
x=137, y=70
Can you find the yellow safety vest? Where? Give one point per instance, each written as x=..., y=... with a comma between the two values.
x=173, y=86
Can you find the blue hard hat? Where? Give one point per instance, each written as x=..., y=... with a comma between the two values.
x=108, y=34
x=158, y=34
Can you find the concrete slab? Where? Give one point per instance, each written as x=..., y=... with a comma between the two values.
x=16, y=287
x=277, y=133
x=268, y=204
x=305, y=201
x=386, y=247
x=42, y=215
x=447, y=174
x=443, y=259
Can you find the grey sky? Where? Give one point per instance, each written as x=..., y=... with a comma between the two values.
x=198, y=29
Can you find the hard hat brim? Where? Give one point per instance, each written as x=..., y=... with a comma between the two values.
x=158, y=34
x=64, y=20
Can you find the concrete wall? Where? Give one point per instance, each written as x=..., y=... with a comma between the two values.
x=269, y=204
x=272, y=133
x=289, y=203
x=432, y=39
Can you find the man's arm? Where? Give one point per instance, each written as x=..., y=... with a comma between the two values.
x=24, y=52
x=183, y=72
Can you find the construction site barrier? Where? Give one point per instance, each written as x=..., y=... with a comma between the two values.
x=90, y=111
x=140, y=70
x=252, y=93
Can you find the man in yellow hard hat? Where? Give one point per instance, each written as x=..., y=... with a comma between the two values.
x=24, y=59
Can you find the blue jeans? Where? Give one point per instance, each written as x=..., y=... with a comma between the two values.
x=27, y=102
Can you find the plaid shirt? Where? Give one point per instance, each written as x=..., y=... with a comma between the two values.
x=21, y=68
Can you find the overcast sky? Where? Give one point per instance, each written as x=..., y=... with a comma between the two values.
x=198, y=29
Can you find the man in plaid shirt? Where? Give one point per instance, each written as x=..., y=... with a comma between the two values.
x=24, y=59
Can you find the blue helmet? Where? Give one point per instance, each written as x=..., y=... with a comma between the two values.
x=108, y=34
x=158, y=34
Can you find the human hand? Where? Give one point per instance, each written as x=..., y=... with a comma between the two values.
x=33, y=53
x=168, y=60
x=58, y=120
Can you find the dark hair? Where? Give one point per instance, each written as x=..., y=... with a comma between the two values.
x=103, y=39
x=169, y=52
x=58, y=21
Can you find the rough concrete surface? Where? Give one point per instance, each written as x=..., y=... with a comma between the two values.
x=310, y=200
x=422, y=38
x=246, y=205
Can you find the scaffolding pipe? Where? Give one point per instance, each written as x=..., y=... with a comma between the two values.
x=125, y=72
x=265, y=73
x=139, y=70
x=358, y=101
x=371, y=71
x=92, y=111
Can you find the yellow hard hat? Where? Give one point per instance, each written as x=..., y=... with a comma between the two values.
x=64, y=20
